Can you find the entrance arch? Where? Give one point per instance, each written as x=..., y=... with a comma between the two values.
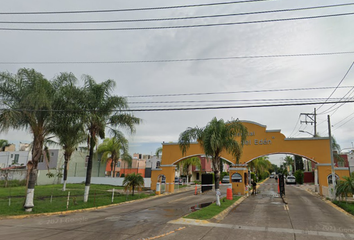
x=260, y=141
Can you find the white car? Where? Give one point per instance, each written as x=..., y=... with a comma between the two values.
x=290, y=179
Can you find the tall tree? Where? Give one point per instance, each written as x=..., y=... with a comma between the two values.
x=214, y=138
x=158, y=152
x=289, y=161
x=28, y=97
x=102, y=110
x=115, y=148
x=67, y=124
x=299, y=162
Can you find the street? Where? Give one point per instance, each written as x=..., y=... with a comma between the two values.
x=263, y=216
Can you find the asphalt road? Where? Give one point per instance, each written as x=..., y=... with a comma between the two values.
x=143, y=219
x=263, y=216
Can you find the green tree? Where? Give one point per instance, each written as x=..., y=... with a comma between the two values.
x=158, y=152
x=345, y=187
x=214, y=138
x=299, y=163
x=261, y=166
x=299, y=176
x=28, y=97
x=133, y=181
x=67, y=123
x=115, y=148
x=186, y=163
x=102, y=110
x=3, y=144
x=289, y=161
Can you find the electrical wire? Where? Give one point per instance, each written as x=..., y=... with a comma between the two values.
x=180, y=60
x=337, y=86
x=176, y=26
x=178, y=18
x=132, y=9
x=235, y=92
x=198, y=108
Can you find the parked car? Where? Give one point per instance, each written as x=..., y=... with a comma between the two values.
x=290, y=179
x=225, y=179
x=178, y=180
x=271, y=176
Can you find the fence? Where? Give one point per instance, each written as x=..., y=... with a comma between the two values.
x=106, y=180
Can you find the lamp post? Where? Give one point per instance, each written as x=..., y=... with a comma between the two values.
x=302, y=131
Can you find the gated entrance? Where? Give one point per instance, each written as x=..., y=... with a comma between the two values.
x=260, y=141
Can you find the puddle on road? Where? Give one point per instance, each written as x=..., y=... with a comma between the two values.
x=199, y=206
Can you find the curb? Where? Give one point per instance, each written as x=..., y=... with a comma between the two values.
x=330, y=203
x=88, y=209
x=224, y=213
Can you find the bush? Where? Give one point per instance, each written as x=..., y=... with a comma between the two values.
x=299, y=176
x=123, y=175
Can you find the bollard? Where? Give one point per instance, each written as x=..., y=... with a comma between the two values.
x=229, y=193
x=67, y=201
x=196, y=190
x=157, y=188
x=113, y=195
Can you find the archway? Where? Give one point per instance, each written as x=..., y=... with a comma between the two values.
x=260, y=142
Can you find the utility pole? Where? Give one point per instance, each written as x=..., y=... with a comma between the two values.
x=332, y=160
x=310, y=118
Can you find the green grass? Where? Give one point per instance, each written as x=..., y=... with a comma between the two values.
x=50, y=198
x=349, y=207
x=212, y=210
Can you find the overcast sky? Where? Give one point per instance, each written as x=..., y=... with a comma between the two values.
x=322, y=35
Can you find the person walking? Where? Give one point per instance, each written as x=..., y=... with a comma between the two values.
x=254, y=187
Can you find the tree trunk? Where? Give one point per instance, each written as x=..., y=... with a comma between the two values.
x=32, y=171
x=89, y=168
x=65, y=177
x=32, y=178
x=133, y=190
x=112, y=168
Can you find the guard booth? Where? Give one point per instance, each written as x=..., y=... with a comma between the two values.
x=239, y=179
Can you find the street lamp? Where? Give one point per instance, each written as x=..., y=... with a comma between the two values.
x=302, y=131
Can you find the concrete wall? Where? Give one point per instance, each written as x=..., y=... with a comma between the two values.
x=106, y=180
x=7, y=158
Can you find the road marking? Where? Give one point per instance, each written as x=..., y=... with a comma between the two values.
x=165, y=234
x=192, y=222
x=286, y=207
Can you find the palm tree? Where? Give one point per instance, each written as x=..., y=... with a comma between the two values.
x=260, y=166
x=186, y=163
x=132, y=181
x=28, y=97
x=289, y=161
x=114, y=148
x=345, y=187
x=214, y=138
x=102, y=110
x=67, y=124
x=158, y=152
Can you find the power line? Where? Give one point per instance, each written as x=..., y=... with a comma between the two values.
x=181, y=60
x=131, y=9
x=242, y=91
x=176, y=26
x=344, y=118
x=345, y=123
x=238, y=100
x=178, y=18
x=199, y=108
x=337, y=86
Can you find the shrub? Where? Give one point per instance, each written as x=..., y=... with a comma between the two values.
x=123, y=175
x=299, y=176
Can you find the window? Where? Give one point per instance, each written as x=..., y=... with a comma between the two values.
x=12, y=156
x=236, y=177
x=158, y=164
x=118, y=164
x=329, y=179
x=16, y=158
x=52, y=154
x=41, y=159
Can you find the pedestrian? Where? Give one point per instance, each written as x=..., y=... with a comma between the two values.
x=276, y=178
x=254, y=187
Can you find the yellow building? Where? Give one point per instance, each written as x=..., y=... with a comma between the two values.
x=260, y=142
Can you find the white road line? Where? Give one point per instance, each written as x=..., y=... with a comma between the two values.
x=184, y=221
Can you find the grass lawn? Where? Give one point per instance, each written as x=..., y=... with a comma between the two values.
x=51, y=198
x=349, y=207
x=212, y=210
